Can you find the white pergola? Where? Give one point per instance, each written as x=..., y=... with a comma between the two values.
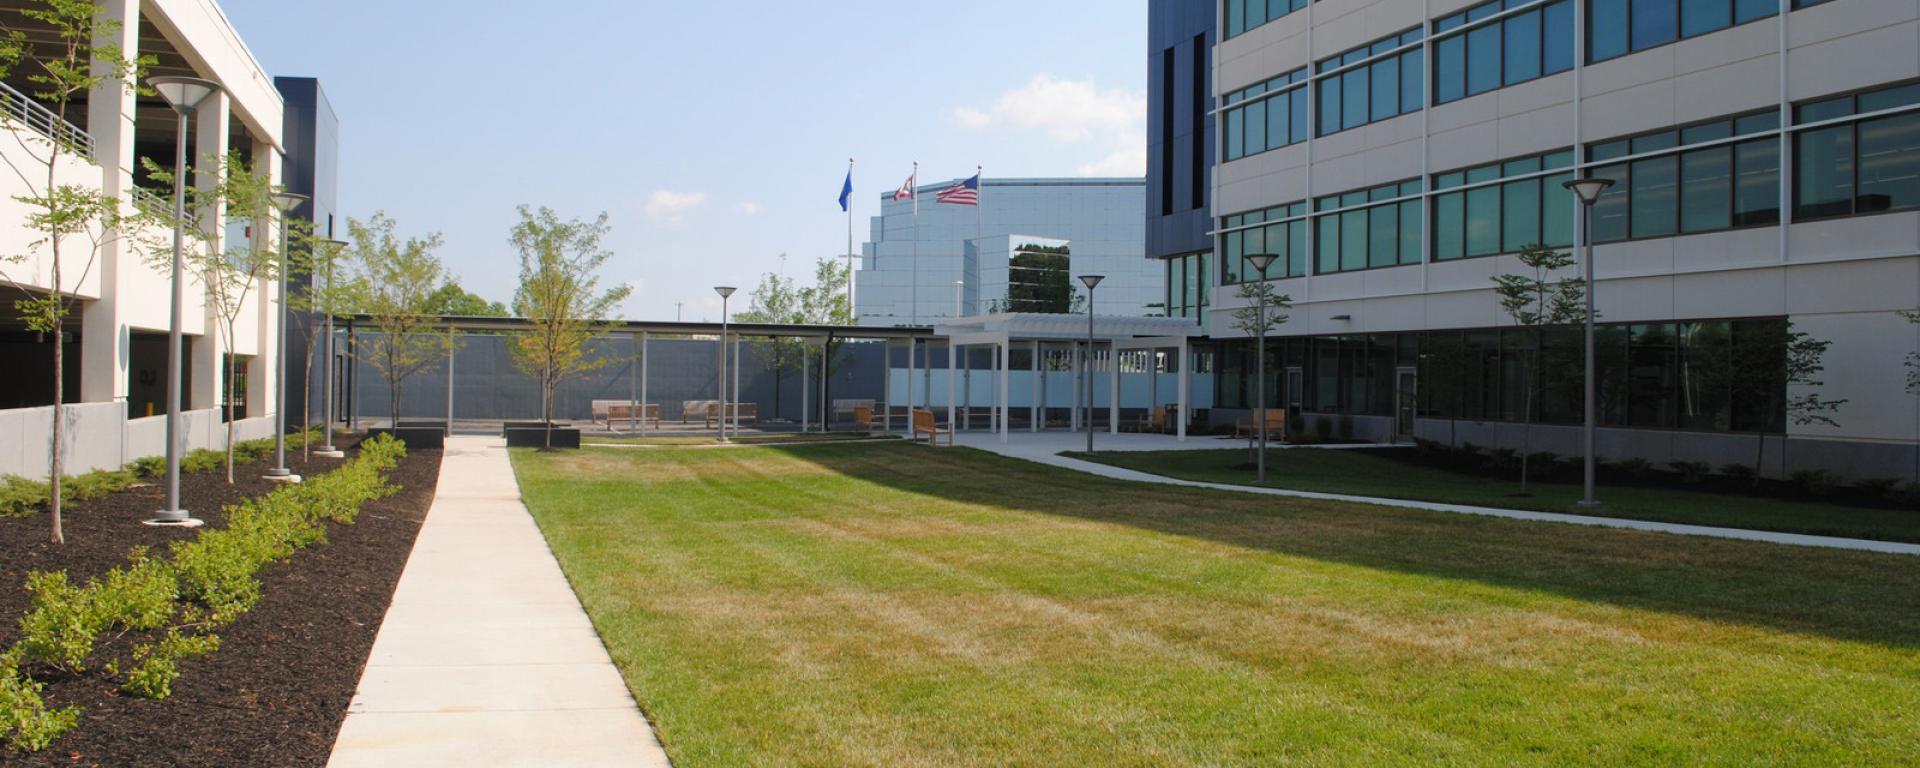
x=1118, y=334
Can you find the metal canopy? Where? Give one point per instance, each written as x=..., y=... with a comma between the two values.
x=669, y=328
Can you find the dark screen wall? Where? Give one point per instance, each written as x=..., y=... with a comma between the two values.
x=310, y=132
x=1179, y=144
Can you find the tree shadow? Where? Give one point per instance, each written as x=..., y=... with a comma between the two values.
x=1846, y=595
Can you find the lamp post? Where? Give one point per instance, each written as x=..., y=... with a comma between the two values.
x=326, y=450
x=725, y=291
x=1086, y=369
x=183, y=94
x=1588, y=191
x=1260, y=261
x=286, y=202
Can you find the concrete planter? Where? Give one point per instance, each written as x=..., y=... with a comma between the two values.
x=534, y=435
x=425, y=438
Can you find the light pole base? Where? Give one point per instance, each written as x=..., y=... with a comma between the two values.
x=329, y=452
x=178, y=518
x=289, y=477
x=1584, y=504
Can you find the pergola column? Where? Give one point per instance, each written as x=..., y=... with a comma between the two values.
x=1186, y=384
x=804, y=349
x=1037, y=407
x=1113, y=390
x=643, y=382
x=1006, y=352
x=1079, y=386
x=952, y=359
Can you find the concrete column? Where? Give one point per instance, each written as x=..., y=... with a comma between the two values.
x=1113, y=390
x=1186, y=385
x=738, y=363
x=912, y=350
x=953, y=360
x=1079, y=387
x=210, y=139
x=264, y=382
x=1037, y=407
x=1005, y=352
x=804, y=349
x=103, y=324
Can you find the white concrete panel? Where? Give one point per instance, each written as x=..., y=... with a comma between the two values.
x=1732, y=293
x=1736, y=87
x=1892, y=234
x=1882, y=285
x=1856, y=61
x=1864, y=366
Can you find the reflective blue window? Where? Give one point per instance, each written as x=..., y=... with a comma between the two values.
x=1384, y=79
x=1374, y=85
x=1450, y=69
x=1698, y=17
x=1483, y=59
x=1522, y=54
x=1653, y=22
x=1606, y=29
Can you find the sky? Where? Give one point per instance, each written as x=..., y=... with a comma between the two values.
x=714, y=134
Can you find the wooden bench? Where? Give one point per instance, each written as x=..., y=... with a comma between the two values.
x=700, y=409
x=923, y=423
x=606, y=411
x=1276, y=425
x=863, y=418
x=747, y=412
x=1157, y=419
x=850, y=408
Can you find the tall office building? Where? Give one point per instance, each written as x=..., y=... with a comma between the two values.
x=1019, y=251
x=312, y=136
x=1180, y=146
x=1394, y=155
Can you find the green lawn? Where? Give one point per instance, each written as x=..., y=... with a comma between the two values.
x=1367, y=473
x=895, y=605
x=748, y=439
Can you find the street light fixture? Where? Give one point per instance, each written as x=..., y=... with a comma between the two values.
x=1260, y=261
x=725, y=291
x=183, y=94
x=1086, y=369
x=1588, y=191
x=326, y=449
x=286, y=202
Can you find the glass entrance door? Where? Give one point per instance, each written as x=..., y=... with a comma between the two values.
x=1406, y=390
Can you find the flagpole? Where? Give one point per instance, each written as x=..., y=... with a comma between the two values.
x=850, y=198
x=979, y=202
x=913, y=183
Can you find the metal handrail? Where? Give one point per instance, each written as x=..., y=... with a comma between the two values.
x=16, y=106
x=151, y=202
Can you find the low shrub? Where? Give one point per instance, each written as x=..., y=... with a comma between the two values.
x=1740, y=472
x=1691, y=471
x=1877, y=487
x=1636, y=468
x=1323, y=430
x=1503, y=459
x=208, y=583
x=148, y=466
x=1816, y=482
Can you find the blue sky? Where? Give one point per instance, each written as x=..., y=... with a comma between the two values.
x=714, y=134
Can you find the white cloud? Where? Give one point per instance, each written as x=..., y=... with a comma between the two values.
x=972, y=118
x=1068, y=110
x=670, y=206
x=1125, y=161
x=1110, y=123
x=751, y=208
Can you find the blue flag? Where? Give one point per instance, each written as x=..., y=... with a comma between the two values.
x=846, y=191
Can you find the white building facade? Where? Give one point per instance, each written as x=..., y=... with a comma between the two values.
x=962, y=260
x=115, y=343
x=1395, y=154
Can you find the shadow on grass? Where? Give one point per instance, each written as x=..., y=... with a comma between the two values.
x=1855, y=596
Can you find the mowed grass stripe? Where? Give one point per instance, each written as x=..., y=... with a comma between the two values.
x=885, y=604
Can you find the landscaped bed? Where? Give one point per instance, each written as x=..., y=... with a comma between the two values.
x=1402, y=473
x=276, y=689
x=888, y=604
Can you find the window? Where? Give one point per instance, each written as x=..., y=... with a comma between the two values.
x=1187, y=285
x=1859, y=167
x=1370, y=83
x=1711, y=375
x=1368, y=228
x=1617, y=27
x=1245, y=15
x=1511, y=50
x=1284, y=235
x=1166, y=132
x=1275, y=118
x=1489, y=216
x=1684, y=191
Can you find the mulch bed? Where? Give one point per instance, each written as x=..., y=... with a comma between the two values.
x=276, y=691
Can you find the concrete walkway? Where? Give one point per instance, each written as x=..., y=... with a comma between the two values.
x=485, y=657
x=1045, y=448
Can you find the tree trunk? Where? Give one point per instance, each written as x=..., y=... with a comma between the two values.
x=231, y=378
x=306, y=399
x=546, y=409
x=58, y=462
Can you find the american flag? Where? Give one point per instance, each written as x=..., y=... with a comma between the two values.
x=966, y=192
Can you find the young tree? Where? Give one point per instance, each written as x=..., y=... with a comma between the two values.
x=70, y=221
x=1913, y=383
x=229, y=273
x=325, y=291
x=560, y=296
x=453, y=301
x=1263, y=303
x=778, y=300
x=397, y=278
x=1535, y=302
x=1769, y=363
